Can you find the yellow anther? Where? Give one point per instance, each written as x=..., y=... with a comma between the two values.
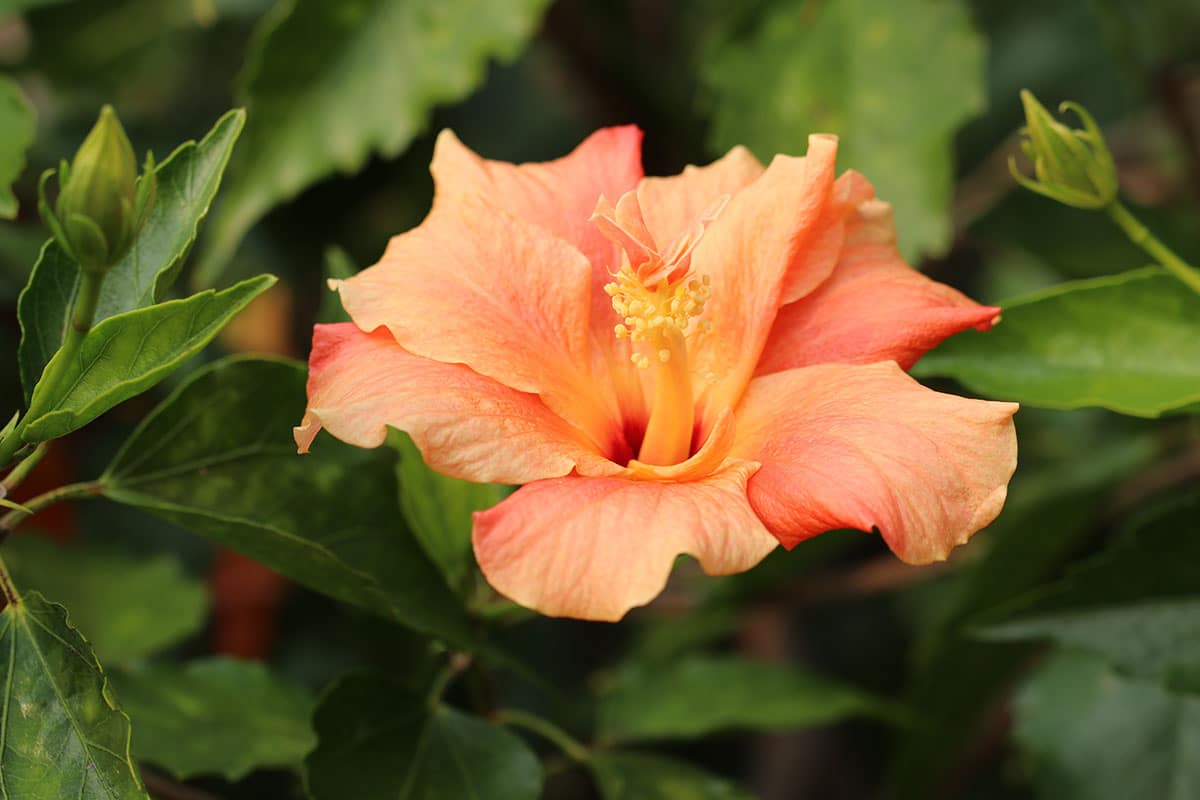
x=621, y=331
x=664, y=355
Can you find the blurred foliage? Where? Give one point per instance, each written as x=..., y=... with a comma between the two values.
x=1054, y=657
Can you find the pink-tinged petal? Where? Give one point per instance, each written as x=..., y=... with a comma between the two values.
x=472, y=285
x=747, y=253
x=670, y=205
x=874, y=307
x=868, y=447
x=593, y=548
x=558, y=196
x=466, y=425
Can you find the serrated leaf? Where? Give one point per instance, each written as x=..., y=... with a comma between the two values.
x=18, y=124
x=125, y=355
x=218, y=457
x=62, y=733
x=379, y=740
x=864, y=70
x=187, y=182
x=1126, y=342
x=129, y=608
x=701, y=694
x=623, y=775
x=1137, y=604
x=316, y=73
x=215, y=717
x=438, y=510
x=1091, y=734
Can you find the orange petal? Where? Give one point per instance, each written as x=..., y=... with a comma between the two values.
x=472, y=285
x=467, y=426
x=670, y=205
x=593, y=548
x=874, y=307
x=868, y=447
x=747, y=253
x=560, y=196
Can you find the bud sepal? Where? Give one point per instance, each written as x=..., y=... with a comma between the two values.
x=1070, y=165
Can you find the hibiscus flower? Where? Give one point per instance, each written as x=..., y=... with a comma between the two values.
x=708, y=364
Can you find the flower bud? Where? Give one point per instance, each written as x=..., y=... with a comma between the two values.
x=102, y=203
x=1072, y=166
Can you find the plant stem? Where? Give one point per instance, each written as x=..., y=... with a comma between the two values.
x=22, y=470
x=454, y=667
x=546, y=729
x=7, y=589
x=86, y=300
x=1140, y=235
x=72, y=491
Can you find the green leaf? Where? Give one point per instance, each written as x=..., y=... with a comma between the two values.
x=641, y=776
x=316, y=78
x=218, y=457
x=62, y=733
x=957, y=676
x=438, y=510
x=1137, y=604
x=187, y=183
x=215, y=717
x=129, y=607
x=1091, y=734
x=379, y=740
x=698, y=695
x=864, y=70
x=125, y=355
x=338, y=266
x=18, y=122
x=1126, y=342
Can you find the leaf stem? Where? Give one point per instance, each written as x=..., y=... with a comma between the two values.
x=72, y=491
x=1140, y=235
x=546, y=729
x=84, y=311
x=7, y=588
x=22, y=470
x=455, y=666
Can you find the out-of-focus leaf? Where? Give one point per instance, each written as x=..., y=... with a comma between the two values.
x=380, y=740
x=641, y=776
x=1126, y=342
x=864, y=70
x=125, y=355
x=1137, y=604
x=1091, y=734
x=699, y=695
x=187, y=183
x=62, y=731
x=338, y=266
x=17, y=123
x=955, y=675
x=438, y=510
x=218, y=457
x=315, y=85
x=129, y=607
x=215, y=717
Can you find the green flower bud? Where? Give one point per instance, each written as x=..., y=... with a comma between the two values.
x=1072, y=166
x=102, y=203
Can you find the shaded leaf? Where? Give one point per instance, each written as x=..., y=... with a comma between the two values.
x=1091, y=734
x=18, y=123
x=129, y=607
x=215, y=717
x=62, y=733
x=187, y=183
x=125, y=355
x=698, y=695
x=218, y=457
x=1137, y=604
x=438, y=510
x=864, y=70
x=641, y=776
x=379, y=740
x=1126, y=342
x=315, y=78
